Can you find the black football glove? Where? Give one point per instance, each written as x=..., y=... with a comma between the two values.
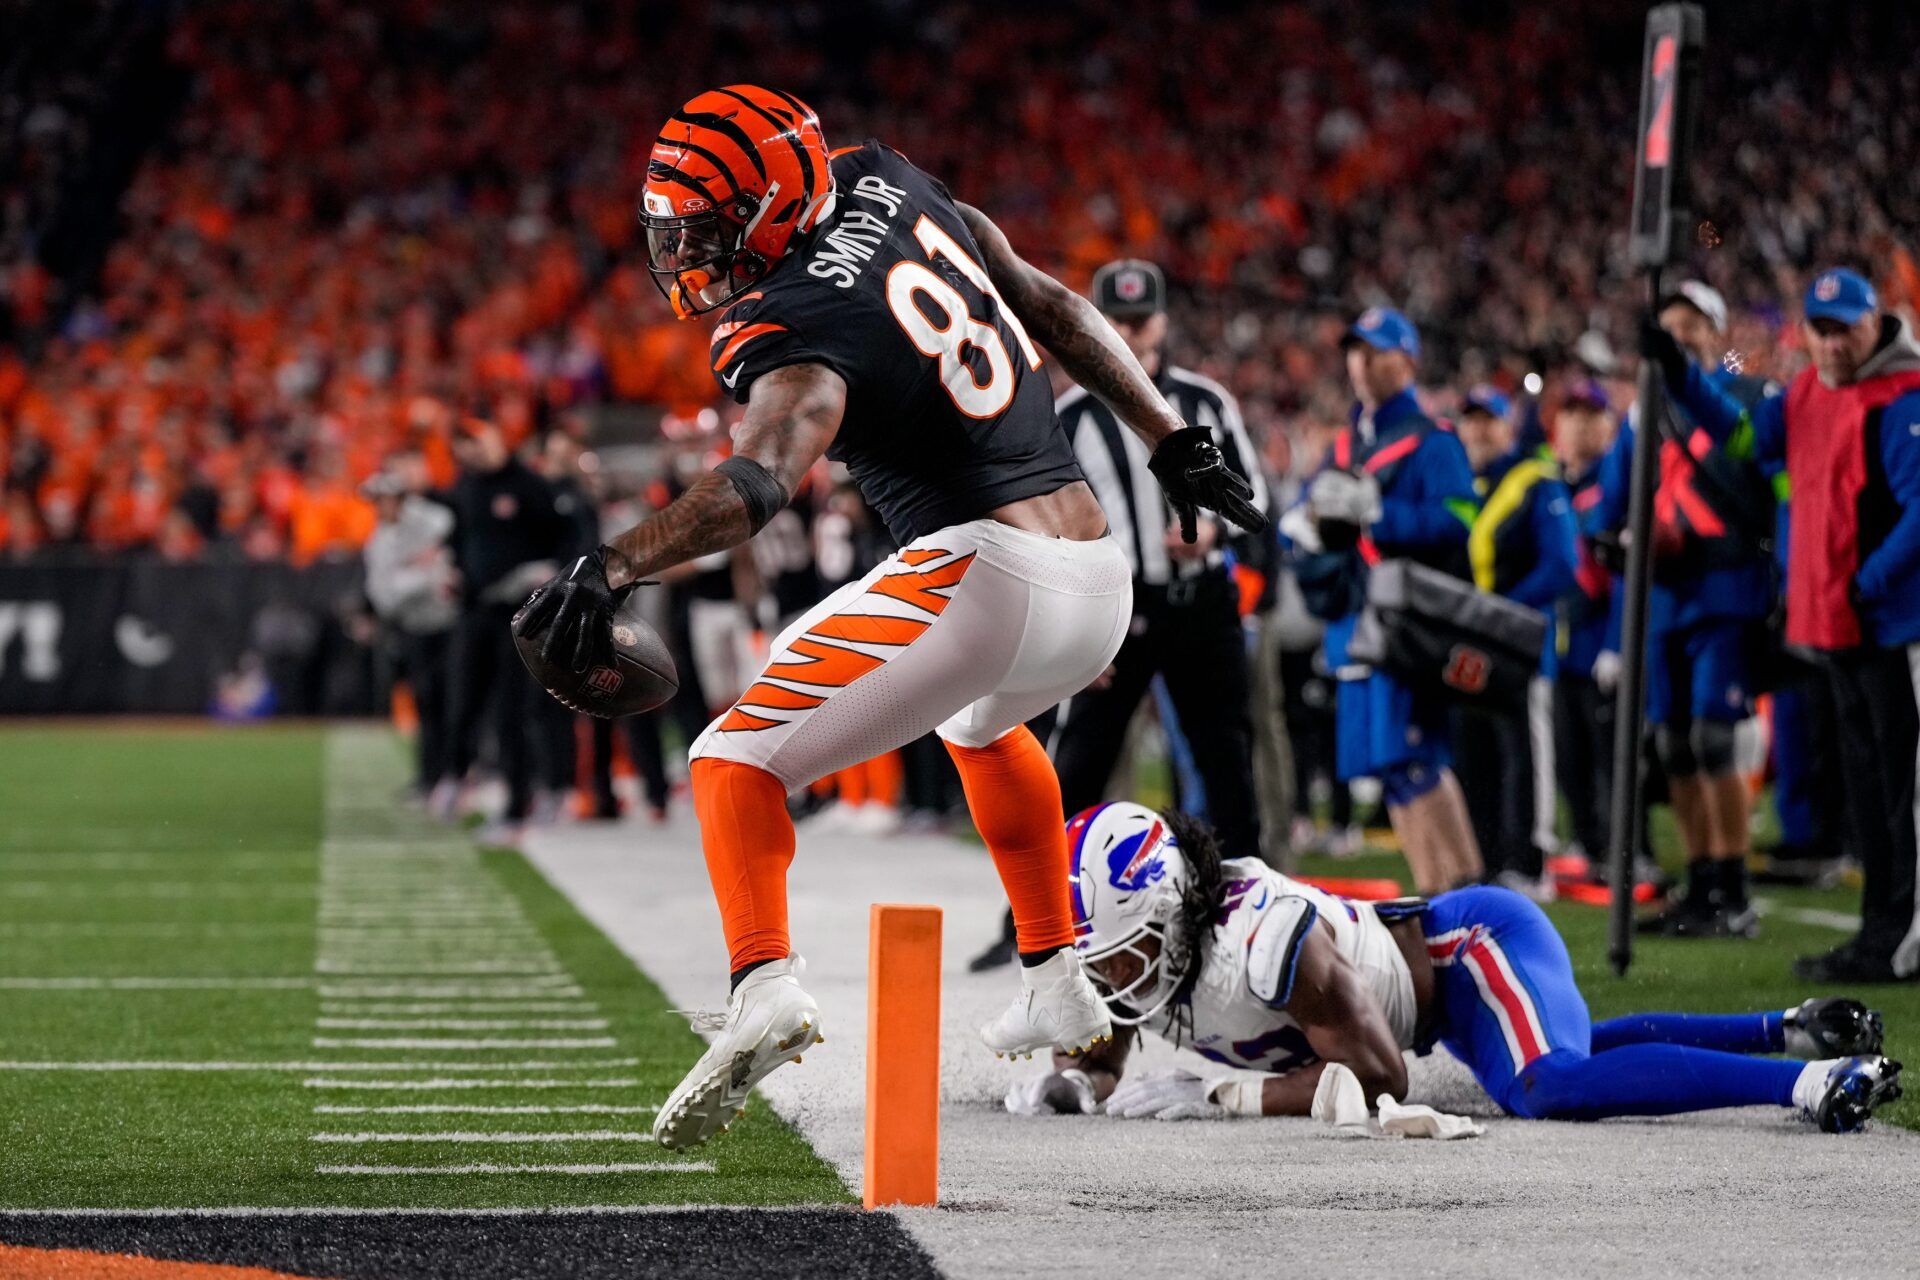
x=1661, y=347
x=1189, y=467
x=571, y=614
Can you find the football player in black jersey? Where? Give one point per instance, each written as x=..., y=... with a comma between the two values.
x=867, y=315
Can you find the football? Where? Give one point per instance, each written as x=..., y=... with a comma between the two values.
x=640, y=677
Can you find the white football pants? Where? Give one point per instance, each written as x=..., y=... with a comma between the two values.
x=969, y=632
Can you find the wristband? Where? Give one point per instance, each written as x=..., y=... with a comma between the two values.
x=1241, y=1094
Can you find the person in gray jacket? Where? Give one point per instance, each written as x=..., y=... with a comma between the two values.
x=414, y=590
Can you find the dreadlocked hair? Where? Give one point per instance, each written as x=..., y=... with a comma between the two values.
x=1192, y=933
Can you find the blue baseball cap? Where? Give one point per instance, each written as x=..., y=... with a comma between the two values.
x=1840, y=294
x=1587, y=392
x=1487, y=398
x=1385, y=329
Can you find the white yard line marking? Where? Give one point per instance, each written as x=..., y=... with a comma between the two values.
x=462, y=1024
x=146, y=983
x=465, y=991
x=399, y=969
x=324, y=1082
x=1808, y=915
x=541, y=1065
x=691, y=1166
x=386, y=1211
x=197, y=889
x=147, y=929
x=475, y=1042
x=481, y=1135
x=456, y=1109
x=338, y=1007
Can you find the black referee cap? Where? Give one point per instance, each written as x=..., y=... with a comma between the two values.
x=1129, y=287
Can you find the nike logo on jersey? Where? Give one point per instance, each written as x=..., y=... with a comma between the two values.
x=732, y=378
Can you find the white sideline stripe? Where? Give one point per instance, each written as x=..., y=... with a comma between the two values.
x=462, y=1024
x=1808, y=915
x=143, y=983
x=455, y=1109
x=317, y=1066
x=463, y=1006
x=692, y=1166
x=476, y=1042
x=324, y=1082
x=482, y=1135
x=388, y=1211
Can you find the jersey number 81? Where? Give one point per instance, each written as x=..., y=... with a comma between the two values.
x=909, y=281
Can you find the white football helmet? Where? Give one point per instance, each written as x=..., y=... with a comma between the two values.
x=1127, y=876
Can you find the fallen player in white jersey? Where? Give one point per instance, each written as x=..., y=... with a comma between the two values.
x=1260, y=972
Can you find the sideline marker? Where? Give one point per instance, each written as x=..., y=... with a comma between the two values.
x=903, y=1056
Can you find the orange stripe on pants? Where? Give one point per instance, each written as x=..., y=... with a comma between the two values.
x=1014, y=796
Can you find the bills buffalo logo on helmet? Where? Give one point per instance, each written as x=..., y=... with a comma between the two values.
x=1135, y=863
x=605, y=681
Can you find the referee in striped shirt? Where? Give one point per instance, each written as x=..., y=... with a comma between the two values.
x=1186, y=621
x=1186, y=618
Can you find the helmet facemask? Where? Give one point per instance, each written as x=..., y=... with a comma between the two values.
x=699, y=261
x=1159, y=978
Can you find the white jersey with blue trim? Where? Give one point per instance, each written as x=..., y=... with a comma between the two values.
x=1234, y=1015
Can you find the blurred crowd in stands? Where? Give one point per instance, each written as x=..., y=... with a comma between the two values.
x=365, y=220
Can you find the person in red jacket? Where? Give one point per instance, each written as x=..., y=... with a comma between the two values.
x=1847, y=432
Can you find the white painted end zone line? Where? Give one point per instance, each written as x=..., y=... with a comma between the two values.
x=696, y=1166
x=323, y=1082
x=462, y=1024
x=454, y=1108
x=479, y=1042
x=481, y=1135
x=539, y=1065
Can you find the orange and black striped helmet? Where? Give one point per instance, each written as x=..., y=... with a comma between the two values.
x=735, y=176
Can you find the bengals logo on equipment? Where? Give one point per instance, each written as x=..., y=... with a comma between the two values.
x=1467, y=670
x=605, y=681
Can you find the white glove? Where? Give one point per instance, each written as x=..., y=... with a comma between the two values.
x=1606, y=671
x=1339, y=1100
x=1298, y=526
x=1400, y=1121
x=1171, y=1095
x=1342, y=495
x=1067, y=1092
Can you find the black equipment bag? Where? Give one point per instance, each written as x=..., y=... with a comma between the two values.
x=1443, y=637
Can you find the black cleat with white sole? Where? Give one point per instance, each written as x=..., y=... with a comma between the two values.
x=1833, y=1027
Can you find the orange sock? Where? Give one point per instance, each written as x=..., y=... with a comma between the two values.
x=748, y=839
x=1014, y=796
x=885, y=773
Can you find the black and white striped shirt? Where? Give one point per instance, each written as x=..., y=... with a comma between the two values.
x=1115, y=462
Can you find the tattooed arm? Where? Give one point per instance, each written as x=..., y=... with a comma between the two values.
x=792, y=415
x=1078, y=336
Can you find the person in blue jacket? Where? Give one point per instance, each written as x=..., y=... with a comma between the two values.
x=1712, y=591
x=1847, y=432
x=1585, y=623
x=1522, y=546
x=1397, y=485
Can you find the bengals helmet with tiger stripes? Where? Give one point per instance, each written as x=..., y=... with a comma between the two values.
x=735, y=177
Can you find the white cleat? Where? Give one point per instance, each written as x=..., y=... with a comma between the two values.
x=1057, y=1008
x=769, y=1021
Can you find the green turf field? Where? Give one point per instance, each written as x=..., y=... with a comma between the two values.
x=235, y=971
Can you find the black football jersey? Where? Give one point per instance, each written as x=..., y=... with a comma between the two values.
x=948, y=412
